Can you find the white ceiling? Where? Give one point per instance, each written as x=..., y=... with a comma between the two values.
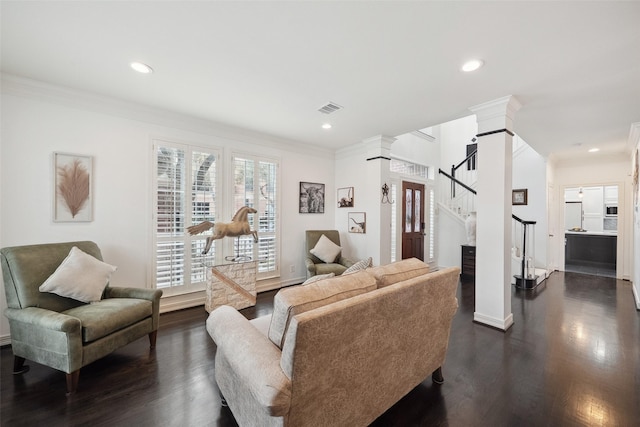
x=393, y=66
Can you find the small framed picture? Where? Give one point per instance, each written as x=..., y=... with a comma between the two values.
x=72, y=193
x=345, y=197
x=311, y=197
x=357, y=222
x=519, y=197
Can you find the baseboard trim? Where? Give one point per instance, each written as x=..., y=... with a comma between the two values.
x=636, y=296
x=493, y=322
x=5, y=340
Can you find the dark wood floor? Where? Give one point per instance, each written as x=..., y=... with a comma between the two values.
x=572, y=358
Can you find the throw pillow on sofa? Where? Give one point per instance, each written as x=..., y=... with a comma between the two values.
x=360, y=265
x=297, y=299
x=318, y=277
x=398, y=271
x=326, y=250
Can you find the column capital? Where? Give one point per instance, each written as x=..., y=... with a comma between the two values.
x=379, y=146
x=497, y=114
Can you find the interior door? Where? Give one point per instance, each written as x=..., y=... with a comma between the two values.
x=413, y=220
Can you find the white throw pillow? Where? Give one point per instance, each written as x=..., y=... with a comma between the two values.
x=360, y=265
x=80, y=276
x=317, y=277
x=326, y=250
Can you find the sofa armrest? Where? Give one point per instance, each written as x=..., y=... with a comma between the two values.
x=311, y=267
x=40, y=318
x=139, y=293
x=253, y=358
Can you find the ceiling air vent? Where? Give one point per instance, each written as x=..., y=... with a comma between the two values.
x=329, y=108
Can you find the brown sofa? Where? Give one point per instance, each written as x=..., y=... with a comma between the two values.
x=339, y=351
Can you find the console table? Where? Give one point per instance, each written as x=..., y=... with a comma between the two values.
x=232, y=284
x=468, y=262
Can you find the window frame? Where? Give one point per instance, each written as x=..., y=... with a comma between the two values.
x=229, y=248
x=188, y=285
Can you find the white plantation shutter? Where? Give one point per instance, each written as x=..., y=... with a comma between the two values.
x=185, y=192
x=256, y=185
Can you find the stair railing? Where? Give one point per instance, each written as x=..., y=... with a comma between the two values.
x=469, y=160
x=461, y=199
x=527, y=278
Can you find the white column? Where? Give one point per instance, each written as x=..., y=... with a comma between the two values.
x=378, y=156
x=493, y=206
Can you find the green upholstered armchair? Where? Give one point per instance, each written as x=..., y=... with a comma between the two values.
x=314, y=264
x=64, y=333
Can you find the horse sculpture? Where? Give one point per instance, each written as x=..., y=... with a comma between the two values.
x=239, y=226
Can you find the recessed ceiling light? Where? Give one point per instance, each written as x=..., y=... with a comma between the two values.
x=472, y=65
x=594, y=150
x=141, y=68
x=326, y=126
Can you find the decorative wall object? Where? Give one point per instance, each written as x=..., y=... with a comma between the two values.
x=357, y=222
x=345, y=197
x=519, y=197
x=73, y=198
x=385, y=194
x=311, y=197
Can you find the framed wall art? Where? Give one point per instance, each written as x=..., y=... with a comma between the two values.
x=345, y=197
x=357, y=222
x=311, y=197
x=73, y=197
x=519, y=197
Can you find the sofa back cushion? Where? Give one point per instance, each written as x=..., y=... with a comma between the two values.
x=297, y=299
x=25, y=268
x=398, y=271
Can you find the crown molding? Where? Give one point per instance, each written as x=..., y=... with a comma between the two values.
x=73, y=98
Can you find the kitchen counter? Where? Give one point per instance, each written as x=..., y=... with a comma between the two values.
x=591, y=248
x=593, y=233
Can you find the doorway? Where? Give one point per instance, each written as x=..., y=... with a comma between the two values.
x=413, y=225
x=591, y=230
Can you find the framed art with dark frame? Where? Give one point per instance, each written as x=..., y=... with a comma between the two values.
x=345, y=197
x=519, y=196
x=311, y=197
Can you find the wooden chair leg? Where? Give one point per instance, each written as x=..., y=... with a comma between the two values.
x=18, y=365
x=152, y=338
x=437, y=376
x=72, y=382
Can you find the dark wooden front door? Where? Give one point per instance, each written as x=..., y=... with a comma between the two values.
x=412, y=220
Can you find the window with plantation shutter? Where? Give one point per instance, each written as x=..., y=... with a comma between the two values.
x=185, y=180
x=256, y=185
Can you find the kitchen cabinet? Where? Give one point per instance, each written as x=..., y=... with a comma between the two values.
x=593, y=208
x=611, y=194
x=595, y=250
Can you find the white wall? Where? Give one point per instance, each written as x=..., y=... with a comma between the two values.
x=38, y=119
x=596, y=171
x=530, y=172
x=350, y=163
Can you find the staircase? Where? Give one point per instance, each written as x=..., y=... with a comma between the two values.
x=457, y=194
